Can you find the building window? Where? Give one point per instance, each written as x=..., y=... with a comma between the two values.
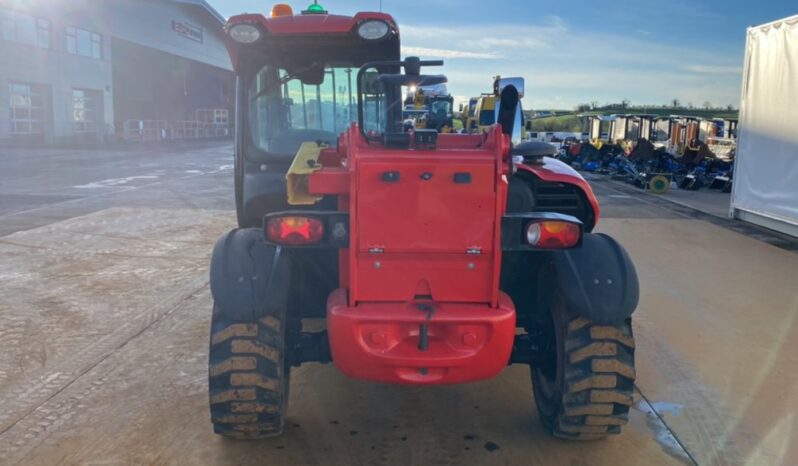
x=27, y=108
x=84, y=43
x=85, y=110
x=24, y=29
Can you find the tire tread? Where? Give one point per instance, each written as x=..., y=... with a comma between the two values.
x=246, y=378
x=597, y=390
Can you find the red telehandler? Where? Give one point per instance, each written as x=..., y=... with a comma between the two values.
x=431, y=258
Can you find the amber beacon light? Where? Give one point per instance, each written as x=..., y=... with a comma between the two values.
x=282, y=9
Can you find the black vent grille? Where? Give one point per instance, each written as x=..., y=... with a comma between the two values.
x=562, y=198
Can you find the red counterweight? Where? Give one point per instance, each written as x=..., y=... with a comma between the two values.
x=383, y=341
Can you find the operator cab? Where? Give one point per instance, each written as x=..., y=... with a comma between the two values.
x=296, y=82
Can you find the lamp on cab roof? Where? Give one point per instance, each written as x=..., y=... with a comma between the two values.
x=282, y=9
x=315, y=9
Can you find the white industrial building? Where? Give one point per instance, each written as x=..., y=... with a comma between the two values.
x=96, y=70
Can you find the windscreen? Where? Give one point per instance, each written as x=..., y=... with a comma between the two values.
x=288, y=107
x=375, y=102
x=472, y=106
x=440, y=109
x=487, y=117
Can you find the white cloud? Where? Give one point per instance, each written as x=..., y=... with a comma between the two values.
x=714, y=69
x=507, y=43
x=555, y=21
x=445, y=53
x=494, y=38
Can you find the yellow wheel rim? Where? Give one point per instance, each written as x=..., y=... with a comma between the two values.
x=659, y=184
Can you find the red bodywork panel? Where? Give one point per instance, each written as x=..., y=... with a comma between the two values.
x=434, y=234
x=424, y=229
x=380, y=341
x=309, y=24
x=555, y=171
x=427, y=216
x=425, y=256
x=401, y=277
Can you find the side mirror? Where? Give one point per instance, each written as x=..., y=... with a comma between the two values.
x=313, y=76
x=508, y=113
x=518, y=83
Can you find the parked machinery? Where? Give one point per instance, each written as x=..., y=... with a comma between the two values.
x=486, y=112
x=430, y=107
x=691, y=151
x=469, y=114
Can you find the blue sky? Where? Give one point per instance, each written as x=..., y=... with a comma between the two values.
x=576, y=51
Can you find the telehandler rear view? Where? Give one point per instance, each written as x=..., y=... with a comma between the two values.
x=432, y=258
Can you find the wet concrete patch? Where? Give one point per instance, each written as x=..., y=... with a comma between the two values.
x=663, y=435
x=716, y=331
x=490, y=446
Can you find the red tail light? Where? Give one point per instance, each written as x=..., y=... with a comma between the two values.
x=294, y=230
x=553, y=234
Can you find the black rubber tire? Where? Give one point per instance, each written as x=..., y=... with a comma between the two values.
x=248, y=376
x=584, y=392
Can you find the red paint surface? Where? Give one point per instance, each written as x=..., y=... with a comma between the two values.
x=436, y=221
x=445, y=277
x=410, y=245
x=380, y=341
x=309, y=24
x=426, y=216
x=329, y=181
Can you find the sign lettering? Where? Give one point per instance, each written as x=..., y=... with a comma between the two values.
x=189, y=31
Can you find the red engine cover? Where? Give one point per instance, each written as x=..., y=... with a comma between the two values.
x=425, y=223
x=425, y=210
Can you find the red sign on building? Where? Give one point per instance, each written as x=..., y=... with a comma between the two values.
x=187, y=30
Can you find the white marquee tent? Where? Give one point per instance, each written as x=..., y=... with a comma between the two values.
x=765, y=189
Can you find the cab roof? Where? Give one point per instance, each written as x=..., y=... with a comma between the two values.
x=309, y=24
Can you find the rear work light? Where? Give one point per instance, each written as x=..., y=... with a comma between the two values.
x=373, y=29
x=553, y=234
x=244, y=33
x=294, y=230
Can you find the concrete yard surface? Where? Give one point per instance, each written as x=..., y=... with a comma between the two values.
x=105, y=313
x=116, y=371
x=717, y=338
